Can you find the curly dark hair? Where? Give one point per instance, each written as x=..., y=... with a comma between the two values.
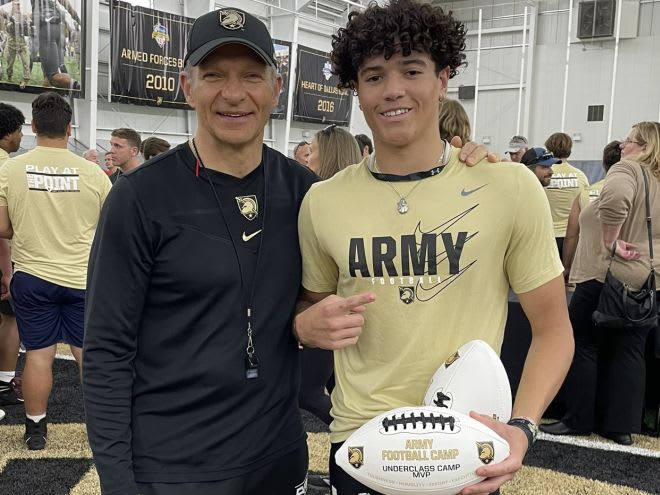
x=11, y=120
x=402, y=26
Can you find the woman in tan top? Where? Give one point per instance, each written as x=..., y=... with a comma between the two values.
x=612, y=361
x=611, y=156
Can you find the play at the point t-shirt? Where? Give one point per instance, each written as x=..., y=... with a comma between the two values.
x=566, y=183
x=54, y=199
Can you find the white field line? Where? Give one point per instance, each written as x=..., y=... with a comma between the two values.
x=593, y=444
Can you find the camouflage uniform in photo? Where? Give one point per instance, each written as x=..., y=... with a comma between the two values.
x=18, y=27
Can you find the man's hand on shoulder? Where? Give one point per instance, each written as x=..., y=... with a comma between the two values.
x=334, y=322
x=472, y=153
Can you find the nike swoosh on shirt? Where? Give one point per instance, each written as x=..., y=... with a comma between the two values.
x=467, y=193
x=48, y=19
x=248, y=237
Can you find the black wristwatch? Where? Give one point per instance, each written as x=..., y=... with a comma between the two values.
x=528, y=427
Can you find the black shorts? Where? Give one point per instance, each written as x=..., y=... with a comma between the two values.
x=343, y=484
x=51, y=52
x=284, y=476
x=47, y=313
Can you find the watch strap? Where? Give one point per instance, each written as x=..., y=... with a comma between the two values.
x=528, y=427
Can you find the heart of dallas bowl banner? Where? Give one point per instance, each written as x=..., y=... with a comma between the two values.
x=317, y=97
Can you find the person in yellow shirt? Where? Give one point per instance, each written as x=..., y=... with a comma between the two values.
x=409, y=254
x=11, y=133
x=50, y=201
x=566, y=184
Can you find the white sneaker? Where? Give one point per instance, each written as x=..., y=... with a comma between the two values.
x=2, y=414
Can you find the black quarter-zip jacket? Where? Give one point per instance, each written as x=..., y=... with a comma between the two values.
x=165, y=388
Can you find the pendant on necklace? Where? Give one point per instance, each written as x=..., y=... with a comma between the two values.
x=402, y=206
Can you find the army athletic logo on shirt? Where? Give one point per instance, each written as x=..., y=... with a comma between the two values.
x=356, y=457
x=407, y=294
x=232, y=19
x=248, y=206
x=486, y=452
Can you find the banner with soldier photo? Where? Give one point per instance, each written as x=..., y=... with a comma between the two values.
x=42, y=45
x=146, y=56
x=317, y=97
x=283, y=56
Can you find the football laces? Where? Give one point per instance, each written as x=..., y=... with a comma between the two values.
x=429, y=422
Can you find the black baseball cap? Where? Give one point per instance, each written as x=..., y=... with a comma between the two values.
x=224, y=26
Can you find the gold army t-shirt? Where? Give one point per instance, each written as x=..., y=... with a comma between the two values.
x=54, y=199
x=441, y=273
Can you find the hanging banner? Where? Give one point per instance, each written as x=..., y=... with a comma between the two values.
x=147, y=51
x=282, y=55
x=317, y=97
x=42, y=46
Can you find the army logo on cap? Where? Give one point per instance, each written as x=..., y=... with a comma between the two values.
x=248, y=206
x=486, y=451
x=232, y=19
x=356, y=456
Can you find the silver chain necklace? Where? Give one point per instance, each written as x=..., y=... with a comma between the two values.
x=402, y=205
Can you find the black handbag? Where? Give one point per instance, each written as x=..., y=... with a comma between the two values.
x=619, y=306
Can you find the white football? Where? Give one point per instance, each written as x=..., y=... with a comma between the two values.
x=472, y=379
x=420, y=450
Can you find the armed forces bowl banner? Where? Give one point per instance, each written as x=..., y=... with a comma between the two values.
x=42, y=45
x=282, y=55
x=317, y=97
x=147, y=50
